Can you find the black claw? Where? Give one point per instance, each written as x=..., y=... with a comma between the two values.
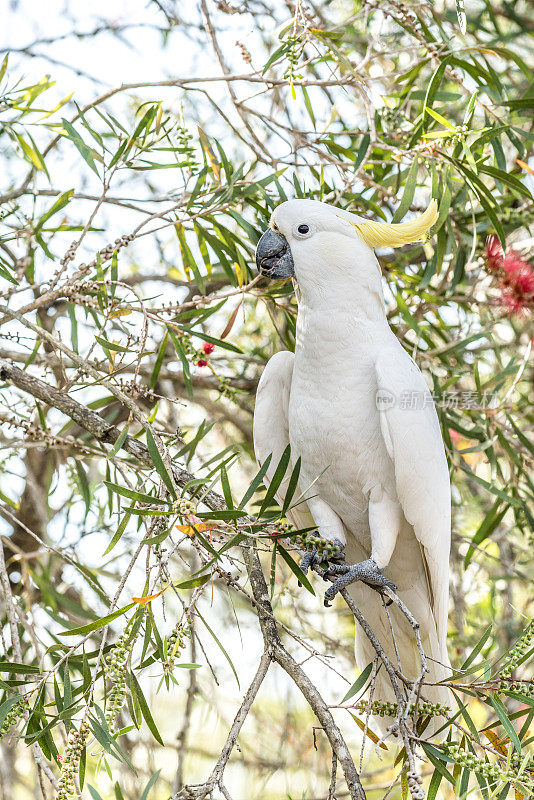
x=308, y=560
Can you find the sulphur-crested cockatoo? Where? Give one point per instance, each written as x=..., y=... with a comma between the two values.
x=354, y=406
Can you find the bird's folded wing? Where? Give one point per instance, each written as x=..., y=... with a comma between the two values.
x=412, y=435
x=271, y=428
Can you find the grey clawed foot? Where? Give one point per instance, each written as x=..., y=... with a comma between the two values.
x=317, y=555
x=309, y=559
x=366, y=571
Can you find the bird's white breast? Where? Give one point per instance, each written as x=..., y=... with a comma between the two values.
x=334, y=423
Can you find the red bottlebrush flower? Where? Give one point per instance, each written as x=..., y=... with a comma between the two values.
x=202, y=362
x=208, y=348
x=494, y=254
x=455, y=436
x=517, y=283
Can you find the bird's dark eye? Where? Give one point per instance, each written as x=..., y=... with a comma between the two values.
x=303, y=228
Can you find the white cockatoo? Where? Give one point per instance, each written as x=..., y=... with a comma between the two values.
x=354, y=406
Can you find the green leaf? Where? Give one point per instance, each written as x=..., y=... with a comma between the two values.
x=149, y=785
x=107, y=345
x=224, y=514
x=500, y=710
x=85, y=151
x=60, y=203
x=308, y=104
x=145, y=710
x=440, y=119
x=82, y=767
x=276, y=480
x=4, y=66
x=159, y=360
x=362, y=150
x=118, y=534
x=227, y=491
x=119, y=443
x=485, y=529
x=186, y=371
x=477, y=648
x=71, y=309
x=192, y=583
x=83, y=484
x=158, y=462
x=32, y=153
x=256, y=481
x=219, y=342
x=409, y=191
x=278, y=53
x=444, y=208
x=437, y=757
x=295, y=569
x=359, y=683
x=103, y=735
x=19, y=669
x=434, y=785
x=220, y=645
x=97, y=624
x=292, y=486
x=139, y=497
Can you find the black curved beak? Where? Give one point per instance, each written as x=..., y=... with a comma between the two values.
x=273, y=256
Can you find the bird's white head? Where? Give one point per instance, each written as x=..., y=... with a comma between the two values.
x=320, y=245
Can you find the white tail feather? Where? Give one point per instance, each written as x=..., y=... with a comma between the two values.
x=438, y=663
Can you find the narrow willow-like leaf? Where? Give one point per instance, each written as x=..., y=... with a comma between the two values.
x=276, y=480
x=145, y=709
x=158, y=463
x=359, y=683
x=477, y=648
x=295, y=569
x=97, y=624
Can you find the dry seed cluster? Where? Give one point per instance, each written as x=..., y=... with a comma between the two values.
x=71, y=761
x=245, y=53
x=13, y=715
x=37, y=434
x=414, y=785
x=410, y=20
x=227, y=8
x=105, y=254
x=69, y=255
x=136, y=390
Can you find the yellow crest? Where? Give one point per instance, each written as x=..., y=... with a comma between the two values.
x=390, y=234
